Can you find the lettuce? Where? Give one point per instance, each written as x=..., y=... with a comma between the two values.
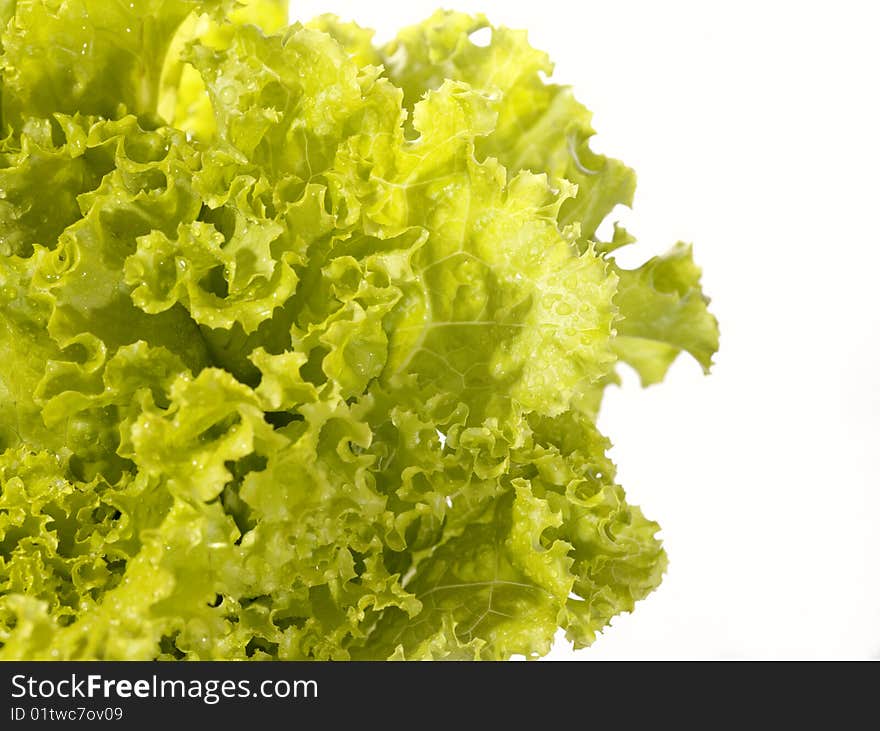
x=302, y=341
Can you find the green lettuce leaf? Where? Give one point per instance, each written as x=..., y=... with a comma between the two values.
x=88, y=56
x=183, y=100
x=664, y=312
x=541, y=127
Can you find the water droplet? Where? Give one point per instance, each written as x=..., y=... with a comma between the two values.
x=563, y=309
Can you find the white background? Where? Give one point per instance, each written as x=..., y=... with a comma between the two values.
x=754, y=129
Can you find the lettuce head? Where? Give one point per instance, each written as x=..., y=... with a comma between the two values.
x=303, y=340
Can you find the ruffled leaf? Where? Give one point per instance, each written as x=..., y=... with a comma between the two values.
x=664, y=312
x=88, y=56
